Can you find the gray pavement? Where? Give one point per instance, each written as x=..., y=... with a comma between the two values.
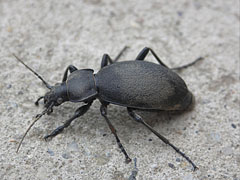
x=50, y=35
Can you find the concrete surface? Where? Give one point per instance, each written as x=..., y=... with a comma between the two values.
x=49, y=35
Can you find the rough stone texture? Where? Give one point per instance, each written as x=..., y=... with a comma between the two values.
x=49, y=35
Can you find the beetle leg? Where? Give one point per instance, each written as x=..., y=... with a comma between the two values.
x=141, y=56
x=37, y=101
x=107, y=59
x=188, y=65
x=70, y=68
x=139, y=119
x=103, y=110
x=79, y=112
x=120, y=53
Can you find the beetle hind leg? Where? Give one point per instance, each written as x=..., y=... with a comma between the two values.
x=103, y=110
x=188, y=65
x=142, y=55
x=139, y=119
x=107, y=59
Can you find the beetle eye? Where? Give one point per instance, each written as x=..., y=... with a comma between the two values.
x=59, y=100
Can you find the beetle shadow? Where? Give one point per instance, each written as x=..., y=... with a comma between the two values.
x=155, y=118
x=164, y=118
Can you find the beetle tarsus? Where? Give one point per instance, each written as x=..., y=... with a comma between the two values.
x=79, y=112
x=120, y=53
x=188, y=65
x=37, y=101
x=54, y=132
x=134, y=171
x=103, y=110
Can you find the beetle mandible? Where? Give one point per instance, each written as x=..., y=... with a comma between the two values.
x=137, y=85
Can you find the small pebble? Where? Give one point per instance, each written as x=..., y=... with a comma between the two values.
x=171, y=165
x=20, y=93
x=227, y=150
x=188, y=177
x=215, y=137
x=9, y=86
x=102, y=160
x=66, y=156
x=178, y=160
x=73, y=146
x=234, y=126
x=50, y=152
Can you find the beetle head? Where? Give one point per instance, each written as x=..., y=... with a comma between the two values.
x=56, y=96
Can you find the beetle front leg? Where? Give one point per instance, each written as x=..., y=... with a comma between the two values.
x=79, y=112
x=70, y=68
x=103, y=110
x=37, y=101
x=139, y=119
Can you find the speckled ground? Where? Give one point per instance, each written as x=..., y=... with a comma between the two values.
x=50, y=35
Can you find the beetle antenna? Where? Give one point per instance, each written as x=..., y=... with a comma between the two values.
x=36, y=118
x=46, y=84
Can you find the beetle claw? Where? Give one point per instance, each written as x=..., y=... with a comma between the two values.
x=128, y=160
x=37, y=101
x=50, y=111
x=46, y=137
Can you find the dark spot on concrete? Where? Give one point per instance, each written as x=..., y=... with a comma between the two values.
x=223, y=81
x=178, y=160
x=66, y=156
x=180, y=13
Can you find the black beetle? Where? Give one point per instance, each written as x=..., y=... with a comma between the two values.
x=137, y=85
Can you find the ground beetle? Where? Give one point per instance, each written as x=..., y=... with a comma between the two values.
x=137, y=85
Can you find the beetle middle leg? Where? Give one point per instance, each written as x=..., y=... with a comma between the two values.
x=139, y=119
x=79, y=112
x=103, y=110
x=107, y=59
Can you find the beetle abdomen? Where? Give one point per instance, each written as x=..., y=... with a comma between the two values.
x=142, y=84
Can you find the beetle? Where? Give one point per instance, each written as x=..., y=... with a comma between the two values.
x=136, y=85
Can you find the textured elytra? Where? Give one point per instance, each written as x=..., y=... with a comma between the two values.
x=143, y=85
